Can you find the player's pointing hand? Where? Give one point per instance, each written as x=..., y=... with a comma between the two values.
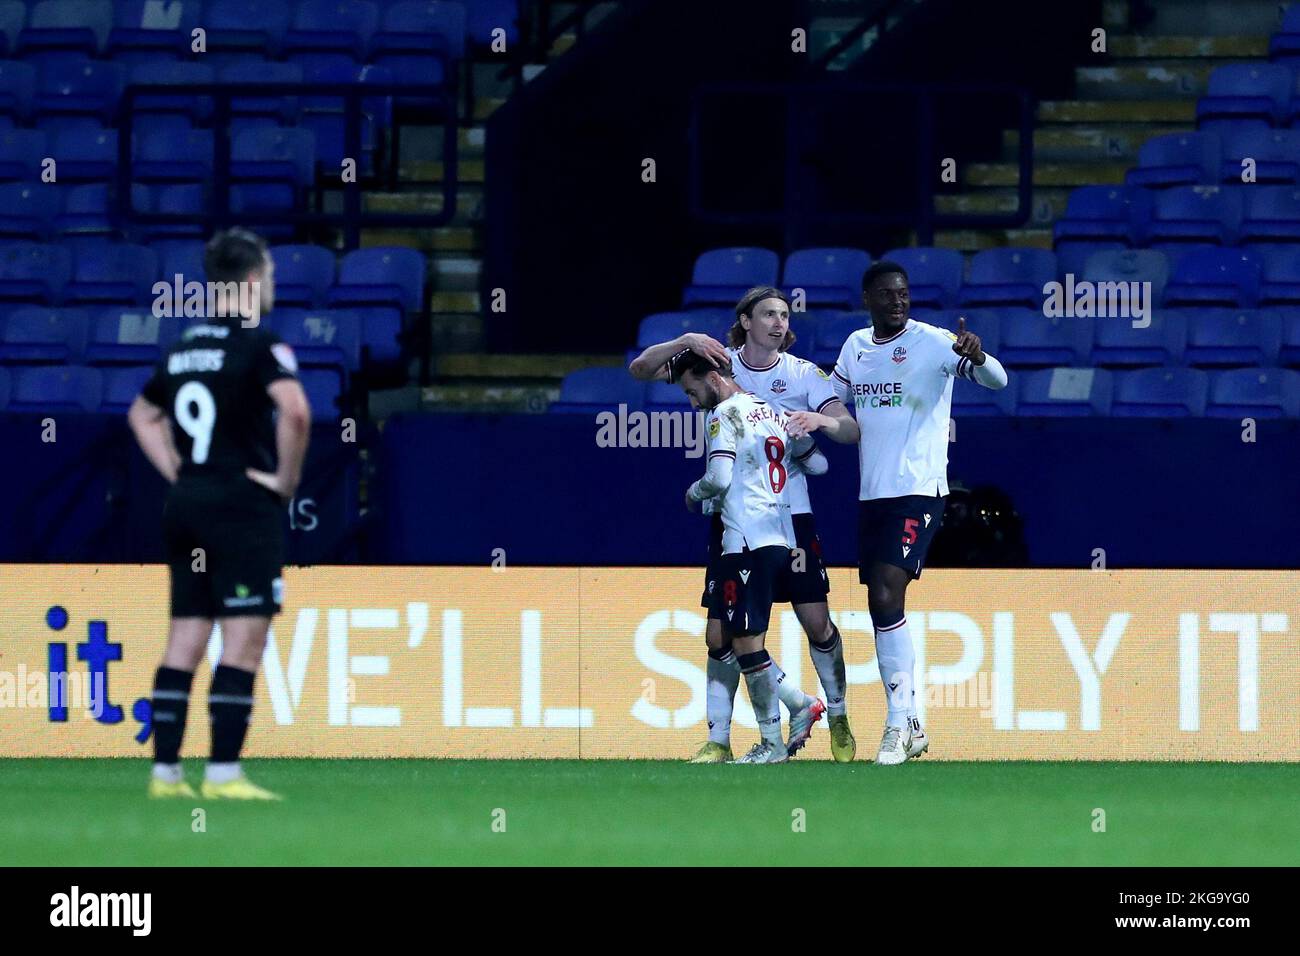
x=799, y=424
x=968, y=343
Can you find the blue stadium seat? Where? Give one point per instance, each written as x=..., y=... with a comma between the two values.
x=285, y=156
x=1177, y=159
x=934, y=276
x=183, y=258
x=1280, y=276
x=276, y=109
x=121, y=386
x=420, y=41
x=44, y=335
x=1246, y=92
x=55, y=388
x=173, y=156
x=85, y=154
x=27, y=210
x=21, y=151
x=666, y=326
x=1255, y=393
x=324, y=390
x=972, y=400
x=17, y=90
x=1116, y=343
x=1095, y=213
x=1160, y=393
x=148, y=30
x=1226, y=337
x=722, y=276
x=665, y=397
x=1284, y=47
x=177, y=199
x=1030, y=338
x=830, y=277
x=1130, y=265
x=590, y=390
x=175, y=101
x=1271, y=214
x=88, y=211
x=32, y=272
x=1290, y=353
x=385, y=275
x=342, y=28
x=1196, y=214
x=5, y=387
x=79, y=88
x=1214, y=277
x=1010, y=276
x=66, y=26
x=329, y=338
x=249, y=27
x=488, y=15
x=303, y=274
x=1276, y=153
x=116, y=272
x=324, y=115
x=1064, y=392
x=263, y=198
x=121, y=335
x=831, y=334
x=13, y=14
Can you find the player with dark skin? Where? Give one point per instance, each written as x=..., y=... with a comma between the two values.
x=889, y=302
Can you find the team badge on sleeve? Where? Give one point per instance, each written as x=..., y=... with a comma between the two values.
x=822, y=372
x=284, y=355
x=715, y=426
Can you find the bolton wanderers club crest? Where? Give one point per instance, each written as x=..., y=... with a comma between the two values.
x=900, y=355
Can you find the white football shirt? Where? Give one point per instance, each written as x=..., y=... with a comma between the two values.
x=755, y=509
x=900, y=389
x=791, y=384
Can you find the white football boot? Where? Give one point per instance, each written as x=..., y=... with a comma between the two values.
x=918, y=743
x=893, y=746
x=801, y=725
x=765, y=753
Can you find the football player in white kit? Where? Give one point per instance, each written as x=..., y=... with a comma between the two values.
x=750, y=462
x=898, y=375
x=762, y=365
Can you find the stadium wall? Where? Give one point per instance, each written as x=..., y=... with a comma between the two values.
x=608, y=663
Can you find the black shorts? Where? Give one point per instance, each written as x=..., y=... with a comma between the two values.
x=239, y=528
x=747, y=584
x=807, y=586
x=897, y=531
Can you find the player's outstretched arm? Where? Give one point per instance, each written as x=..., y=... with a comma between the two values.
x=807, y=457
x=153, y=432
x=292, y=429
x=652, y=364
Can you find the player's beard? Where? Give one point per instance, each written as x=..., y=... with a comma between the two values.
x=715, y=399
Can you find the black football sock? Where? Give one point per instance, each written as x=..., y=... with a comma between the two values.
x=171, y=705
x=230, y=705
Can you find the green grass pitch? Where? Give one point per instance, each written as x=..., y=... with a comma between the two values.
x=66, y=812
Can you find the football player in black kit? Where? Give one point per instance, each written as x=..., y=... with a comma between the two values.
x=226, y=422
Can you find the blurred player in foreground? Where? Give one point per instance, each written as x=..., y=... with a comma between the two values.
x=226, y=422
x=761, y=364
x=749, y=464
x=898, y=374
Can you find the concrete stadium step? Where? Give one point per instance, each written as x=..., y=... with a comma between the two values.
x=1045, y=174
x=1171, y=79
x=1131, y=46
x=455, y=273
x=1087, y=144
x=485, y=106
x=517, y=367
x=469, y=202
x=1048, y=204
x=488, y=399
x=977, y=240
x=456, y=332
x=462, y=239
x=1118, y=111
x=448, y=301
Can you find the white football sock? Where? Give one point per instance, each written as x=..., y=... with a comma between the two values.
x=723, y=678
x=767, y=707
x=897, y=660
x=830, y=671
x=167, y=772
x=221, y=772
x=794, y=699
